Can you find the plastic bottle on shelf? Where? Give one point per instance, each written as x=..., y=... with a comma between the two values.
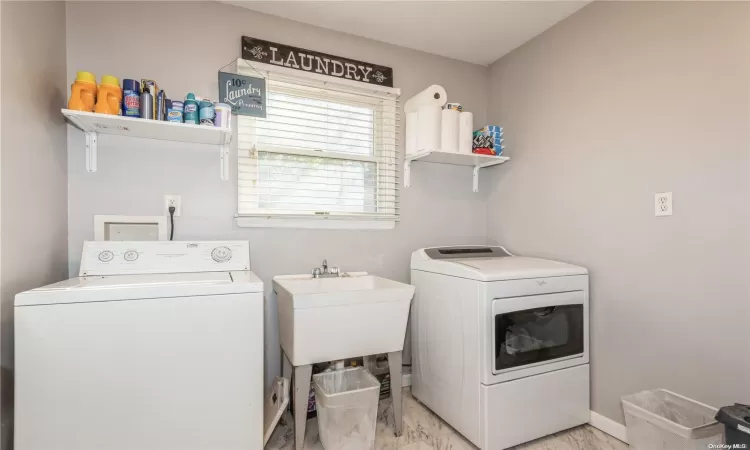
x=190, y=112
x=147, y=103
x=223, y=115
x=207, y=113
x=131, y=98
x=83, y=92
x=109, y=97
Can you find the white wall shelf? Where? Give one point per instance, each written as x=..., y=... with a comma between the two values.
x=93, y=124
x=457, y=159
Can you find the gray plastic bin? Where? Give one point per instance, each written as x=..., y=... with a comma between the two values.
x=347, y=402
x=662, y=420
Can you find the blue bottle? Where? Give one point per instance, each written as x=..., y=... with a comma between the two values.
x=131, y=98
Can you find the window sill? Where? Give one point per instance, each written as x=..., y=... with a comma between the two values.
x=316, y=223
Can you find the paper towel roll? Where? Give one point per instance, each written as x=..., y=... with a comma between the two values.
x=449, y=119
x=428, y=128
x=465, y=132
x=432, y=96
x=411, y=132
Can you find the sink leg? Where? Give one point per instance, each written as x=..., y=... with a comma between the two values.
x=302, y=376
x=286, y=365
x=286, y=372
x=394, y=366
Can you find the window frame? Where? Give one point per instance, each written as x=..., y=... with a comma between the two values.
x=331, y=220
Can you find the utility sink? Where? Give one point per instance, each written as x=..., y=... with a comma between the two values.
x=335, y=318
x=329, y=319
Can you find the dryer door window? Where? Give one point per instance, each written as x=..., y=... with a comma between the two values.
x=536, y=335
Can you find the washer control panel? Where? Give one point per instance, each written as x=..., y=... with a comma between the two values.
x=127, y=257
x=130, y=255
x=221, y=254
x=106, y=256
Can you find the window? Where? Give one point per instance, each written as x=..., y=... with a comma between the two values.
x=326, y=153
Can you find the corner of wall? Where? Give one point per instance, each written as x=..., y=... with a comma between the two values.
x=33, y=167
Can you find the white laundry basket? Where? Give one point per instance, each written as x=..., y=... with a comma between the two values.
x=347, y=405
x=662, y=420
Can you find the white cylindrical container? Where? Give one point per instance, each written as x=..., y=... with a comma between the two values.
x=428, y=128
x=465, y=132
x=223, y=115
x=449, y=124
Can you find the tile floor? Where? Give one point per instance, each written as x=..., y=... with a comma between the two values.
x=423, y=430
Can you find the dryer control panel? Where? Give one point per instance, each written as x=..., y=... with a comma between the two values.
x=137, y=257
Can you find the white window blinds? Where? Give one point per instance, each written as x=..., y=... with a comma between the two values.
x=323, y=151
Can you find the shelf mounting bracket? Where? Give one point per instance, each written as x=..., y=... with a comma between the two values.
x=407, y=173
x=475, y=181
x=224, y=161
x=91, y=149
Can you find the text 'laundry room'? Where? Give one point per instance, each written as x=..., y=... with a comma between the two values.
x=374, y=225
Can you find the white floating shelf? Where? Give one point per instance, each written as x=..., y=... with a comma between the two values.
x=93, y=124
x=456, y=159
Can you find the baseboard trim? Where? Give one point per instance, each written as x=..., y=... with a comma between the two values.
x=609, y=426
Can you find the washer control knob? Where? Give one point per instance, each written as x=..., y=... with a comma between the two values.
x=221, y=254
x=130, y=255
x=106, y=256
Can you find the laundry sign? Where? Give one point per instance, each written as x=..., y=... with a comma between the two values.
x=245, y=95
x=315, y=62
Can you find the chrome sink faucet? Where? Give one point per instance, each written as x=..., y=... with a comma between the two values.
x=325, y=272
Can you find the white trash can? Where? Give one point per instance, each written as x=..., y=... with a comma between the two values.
x=662, y=420
x=347, y=405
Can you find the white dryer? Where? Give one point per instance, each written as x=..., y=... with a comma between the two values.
x=155, y=346
x=500, y=343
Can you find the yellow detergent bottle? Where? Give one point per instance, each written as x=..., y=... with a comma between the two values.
x=109, y=97
x=83, y=92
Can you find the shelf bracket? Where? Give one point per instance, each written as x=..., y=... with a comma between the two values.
x=476, y=178
x=91, y=154
x=224, y=161
x=407, y=173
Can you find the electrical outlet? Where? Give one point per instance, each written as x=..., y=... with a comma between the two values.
x=663, y=204
x=173, y=200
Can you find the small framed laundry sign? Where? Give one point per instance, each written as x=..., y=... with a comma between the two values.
x=297, y=58
x=244, y=94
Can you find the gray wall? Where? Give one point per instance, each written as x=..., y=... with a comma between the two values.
x=439, y=208
x=618, y=102
x=33, y=163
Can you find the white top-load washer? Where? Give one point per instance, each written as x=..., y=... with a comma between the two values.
x=500, y=343
x=155, y=346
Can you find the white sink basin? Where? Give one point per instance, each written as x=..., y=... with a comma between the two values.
x=328, y=319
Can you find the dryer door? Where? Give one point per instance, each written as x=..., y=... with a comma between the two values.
x=538, y=329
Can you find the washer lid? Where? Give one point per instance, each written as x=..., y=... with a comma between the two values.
x=141, y=286
x=488, y=264
x=516, y=267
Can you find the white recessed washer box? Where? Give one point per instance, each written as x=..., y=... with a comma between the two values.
x=130, y=228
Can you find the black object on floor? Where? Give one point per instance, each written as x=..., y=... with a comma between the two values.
x=736, y=420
